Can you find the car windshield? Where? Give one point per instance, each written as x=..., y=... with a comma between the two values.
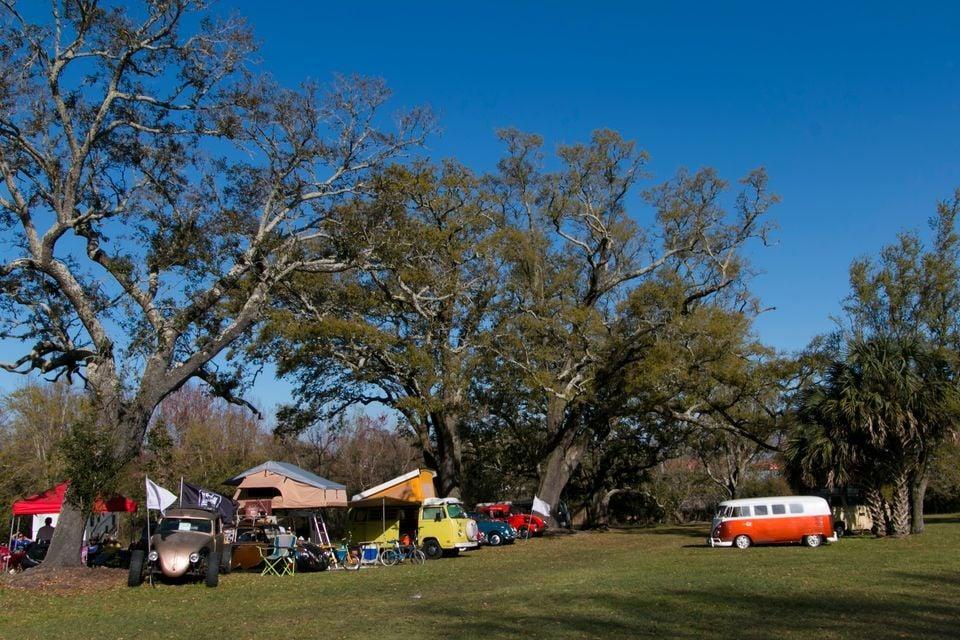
x=170, y=525
x=456, y=511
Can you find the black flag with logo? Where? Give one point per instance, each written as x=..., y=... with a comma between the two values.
x=195, y=497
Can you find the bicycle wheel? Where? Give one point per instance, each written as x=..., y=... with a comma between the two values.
x=389, y=557
x=417, y=556
x=351, y=562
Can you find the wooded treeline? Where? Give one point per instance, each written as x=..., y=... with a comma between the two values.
x=563, y=324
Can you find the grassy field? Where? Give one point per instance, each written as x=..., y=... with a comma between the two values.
x=651, y=582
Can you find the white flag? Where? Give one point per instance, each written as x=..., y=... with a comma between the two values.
x=158, y=497
x=540, y=506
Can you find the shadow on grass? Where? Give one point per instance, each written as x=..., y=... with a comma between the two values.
x=690, y=531
x=711, y=614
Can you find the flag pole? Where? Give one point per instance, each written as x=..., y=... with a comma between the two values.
x=181, y=492
x=147, y=504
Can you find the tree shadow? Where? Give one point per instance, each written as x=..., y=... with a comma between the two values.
x=708, y=613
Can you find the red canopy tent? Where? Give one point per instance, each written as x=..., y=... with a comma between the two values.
x=51, y=500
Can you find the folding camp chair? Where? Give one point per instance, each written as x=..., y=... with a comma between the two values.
x=282, y=558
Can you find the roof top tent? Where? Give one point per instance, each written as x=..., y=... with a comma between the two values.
x=409, y=490
x=413, y=487
x=48, y=504
x=281, y=486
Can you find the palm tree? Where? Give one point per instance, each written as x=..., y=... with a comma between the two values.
x=874, y=417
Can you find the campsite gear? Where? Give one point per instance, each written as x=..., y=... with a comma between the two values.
x=281, y=561
x=369, y=553
x=742, y=523
x=407, y=504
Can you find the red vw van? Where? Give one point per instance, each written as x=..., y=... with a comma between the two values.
x=741, y=523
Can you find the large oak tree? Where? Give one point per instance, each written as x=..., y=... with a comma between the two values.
x=155, y=189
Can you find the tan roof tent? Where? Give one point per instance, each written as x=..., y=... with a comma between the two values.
x=286, y=486
x=410, y=488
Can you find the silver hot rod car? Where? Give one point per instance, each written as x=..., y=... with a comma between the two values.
x=187, y=543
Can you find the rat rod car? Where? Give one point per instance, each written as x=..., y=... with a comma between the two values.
x=188, y=542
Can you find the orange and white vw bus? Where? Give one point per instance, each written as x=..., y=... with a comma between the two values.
x=741, y=523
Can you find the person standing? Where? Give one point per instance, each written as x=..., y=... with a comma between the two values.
x=45, y=533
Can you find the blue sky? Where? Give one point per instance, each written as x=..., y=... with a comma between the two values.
x=854, y=110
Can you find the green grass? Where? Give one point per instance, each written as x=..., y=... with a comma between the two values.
x=650, y=582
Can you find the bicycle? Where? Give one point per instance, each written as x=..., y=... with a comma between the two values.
x=342, y=557
x=397, y=553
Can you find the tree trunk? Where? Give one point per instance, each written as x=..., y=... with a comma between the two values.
x=561, y=461
x=449, y=454
x=67, y=537
x=900, y=505
x=873, y=501
x=918, y=491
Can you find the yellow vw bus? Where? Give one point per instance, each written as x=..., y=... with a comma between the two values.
x=407, y=506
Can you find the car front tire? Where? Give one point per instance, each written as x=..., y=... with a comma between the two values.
x=494, y=539
x=212, y=578
x=135, y=576
x=813, y=541
x=742, y=542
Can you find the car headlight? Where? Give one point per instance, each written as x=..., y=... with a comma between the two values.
x=153, y=555
x=194, y=557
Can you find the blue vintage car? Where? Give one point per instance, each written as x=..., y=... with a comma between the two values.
x=495, y=532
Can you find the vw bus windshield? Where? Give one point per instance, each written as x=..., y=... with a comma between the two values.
x=456, y=511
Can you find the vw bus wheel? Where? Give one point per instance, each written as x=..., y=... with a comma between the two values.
x=212, y=577
x=813, y=541
x=742, y=542
x=839, y=530
x=135, y=577
x=494, y=539
x=432, y=549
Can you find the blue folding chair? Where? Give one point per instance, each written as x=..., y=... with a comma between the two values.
x=282, y=559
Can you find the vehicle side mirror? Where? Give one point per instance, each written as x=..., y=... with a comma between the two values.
x=438, y=517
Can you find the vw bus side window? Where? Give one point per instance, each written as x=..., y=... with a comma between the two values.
x=760, y=510
x=741, y=512
x=431, y=513
x=796, y=508
x=779, y=509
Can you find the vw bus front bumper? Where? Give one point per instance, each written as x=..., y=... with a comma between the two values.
x=717, y=542
x=466, y=545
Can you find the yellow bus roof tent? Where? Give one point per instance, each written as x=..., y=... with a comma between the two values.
x=410, y=488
